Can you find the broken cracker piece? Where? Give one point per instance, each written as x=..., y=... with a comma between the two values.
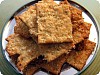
x=26, y=48
x=21, y=28
x=30, y=70
x=76, y=14
x=54, y=26
x=78, y=58
x=77, y=37
x=81, y=32
x=56, y=65
x=29, y=18
x=86, y=30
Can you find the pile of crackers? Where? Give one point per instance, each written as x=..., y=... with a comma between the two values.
x=47, y=35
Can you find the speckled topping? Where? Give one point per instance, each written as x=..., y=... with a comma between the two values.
x=55, y=66
x=81, y=32
x=21, y=28
x=29, y=18
x=53, y=51
x=54, y=26
x=26, y=49
x=78, y=58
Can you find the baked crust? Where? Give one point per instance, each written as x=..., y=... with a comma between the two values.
x=21, y=28
x=54, y=25
x=77, y=58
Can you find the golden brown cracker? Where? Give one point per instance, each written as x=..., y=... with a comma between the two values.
x=56, y=65
x=86, y=30
x=53, y=25
x=52, y=51
x=29, y=18
x=77, y=37
x=21, y=28
x=76, y=14
x=78, y=58
x=30, y=70
x=81, y=29
x=26, y=48
x=81, y=32
x=76, y=24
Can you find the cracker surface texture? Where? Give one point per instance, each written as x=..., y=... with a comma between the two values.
x=78, y=58
x=54, y=25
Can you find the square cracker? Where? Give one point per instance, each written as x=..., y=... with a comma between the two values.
x=81, y=29
x=25, y=48
x=21, y=28
x=78, y=57
x=29, y=19
x=54, y=25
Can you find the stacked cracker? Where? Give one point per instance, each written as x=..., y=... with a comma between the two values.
x=57, y=32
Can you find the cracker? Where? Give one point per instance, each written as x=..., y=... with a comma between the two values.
x=56, y=65
x=77, y=37
x=30, y=70
x=21, y=28
x=78, y=58
x=81, y=32
x=33, y=67
x=29, y=18
x=53, y=51
x=81, y=29
x=26, y=48
x=86, y=30
x=76, y=14
x=77, y=23
x=54, y=26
